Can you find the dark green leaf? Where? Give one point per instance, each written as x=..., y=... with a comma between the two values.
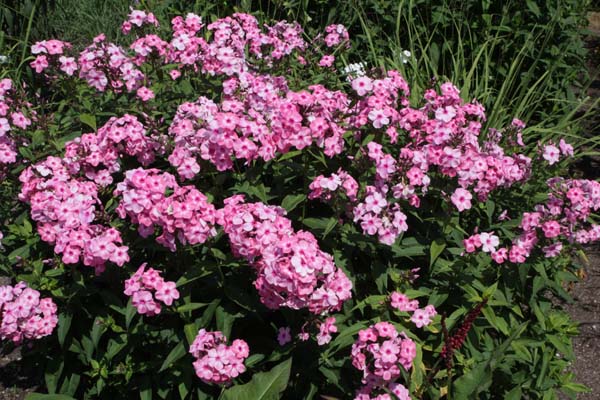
x=64, y=324
x=40, y=396
x=175, y=354
x=292, y=201
x=89, y=120
x=263, y=386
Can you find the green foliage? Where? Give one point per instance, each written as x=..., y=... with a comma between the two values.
x=525, y=62
x=519, y=61
x=263, y=386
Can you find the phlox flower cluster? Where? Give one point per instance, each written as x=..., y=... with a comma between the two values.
x=107, y=66
x=324, y=187
x=65, y=210
x=552, y=154
x=562, y=218
x=63, y=193
x=12, y=120
x=24, y=315
x=146, y=287
x=52, y=53
x=259, y=115
x=326, y=328
x=229, y=46
x=443, y=138
x=420, y=316
x=185, y=214
x=138, y=18
x=97, y=155
x=257, y=118
x=379, y=353
x=232, y=38
x=291, y=269
x=215, y=361
x=335, y=35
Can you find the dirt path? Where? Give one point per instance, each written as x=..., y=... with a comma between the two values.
x=586, y=311
x=586, y=308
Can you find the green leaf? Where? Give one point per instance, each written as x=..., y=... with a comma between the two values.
x=194, y=273
x=562, y=345
x=533, y=7
x=64, y=324
x=146, y=389
x=190, y=331
x=225, y=320
x=437, y=246
x=417, y=373
x=321, y=224
x=174, y=355
x=98, y=329
x=292, y=201
x=190, y=307
x=473, y=382
x=379, y=273
x=129, y=313
x=489, y=210
x=41, y=396
x=89, y=120
x=27, y=153
x=254, y=359
x=21, y=252
x=73, y=384
x=208, y=314
x=479, y=378
x=263, y=386
x=409, y=248
x=115, y=346
x=37, y=138
x=515, y=394
x=496, y=322
x=289, y=154
x=576, y=387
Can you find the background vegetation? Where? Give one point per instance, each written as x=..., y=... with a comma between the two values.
x=518, y=61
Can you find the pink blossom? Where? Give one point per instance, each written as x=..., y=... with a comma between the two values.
x=401, y=302
x=422, y=317
x=551, y=229
x=461, y=198
x=551, y=154
x=284, y=335
x=362, y=85
x=326, y=328
x=565, y=148
x=379, y=352
x=68, y=65
x=24, y=315
x=215, y=361
x=472, y=243
x=146, y=286
x=145, y=94
x=326, y=61
x=489, y=242
x=39, y=64
x=500, y=255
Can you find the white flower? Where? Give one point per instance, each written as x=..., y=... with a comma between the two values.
x=405, y=56
x=489, y=242
x=355, y=70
